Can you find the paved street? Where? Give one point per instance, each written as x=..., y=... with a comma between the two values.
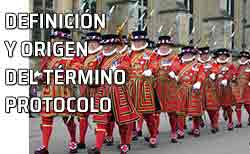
x=224, y=142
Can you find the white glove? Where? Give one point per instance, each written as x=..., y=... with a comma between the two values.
x=172, y=75
x=60, y=66
x=248, y=83
x=197, y=85
x=147, y=73
x=212, y=76
x=37, y=74
x=220, y=76
x=224, y=82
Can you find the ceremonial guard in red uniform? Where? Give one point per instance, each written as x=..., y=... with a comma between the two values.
x=92, y=61
x=140, y=85
x=123, y=111
x=190, y=78
x=224, y=79
x=121, y=49
x=166, y=84
x=241, y=86
x=52, y=90
x=210, y=99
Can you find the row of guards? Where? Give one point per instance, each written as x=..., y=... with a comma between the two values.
x=161, y=79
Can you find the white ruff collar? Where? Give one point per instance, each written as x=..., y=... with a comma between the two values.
x=159, y=52
x=204, y=61
x=243, y=63
x=123, y=49
x=247, y=70
x=187, y=60
x=95, y=50
x=138, y=49
x=67, y=58
x=222, y=61
x=109, y=53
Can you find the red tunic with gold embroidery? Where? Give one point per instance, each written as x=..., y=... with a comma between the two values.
x=123, y=109
x=209, y=96
x=240, y=87
x=226, y=72
x=91, y=62
x=246, y=90
x=166, y=87
x=53, y=90
x=140, y=87
x=190, y=101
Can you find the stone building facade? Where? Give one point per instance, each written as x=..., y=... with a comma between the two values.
x=212, y=21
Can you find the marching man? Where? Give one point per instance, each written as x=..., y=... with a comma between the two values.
x=190, y=78
x=140, y=85
x=209, y=96
x=223, y=83
x=121, y=49
x=90, y=62
x=241, y=86
x=123, y=111
x=52, y=90
x=166, y=81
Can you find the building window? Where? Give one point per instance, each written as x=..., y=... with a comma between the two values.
x=41, y=6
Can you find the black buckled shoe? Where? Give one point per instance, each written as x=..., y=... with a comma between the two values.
x=238, y=126
x=109, y=140
x=72, y=147
x=174, y=140
x=41, y=150
x=180, y=135
x=153, y=142
x=124, y=148
x=94, y=150
x=196, y=133
x=213, y=130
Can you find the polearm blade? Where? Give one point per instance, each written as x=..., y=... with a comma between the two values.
x=145, y=26
x=150, y=15
x=230, y=39
x=159, y=31
x=170, y=31
x=193, y=30
x=213, y=28
x=191, y=36
x=232, y=35
x=83, y=5
x=110, y=12
x=141, y=18
x=131, y=11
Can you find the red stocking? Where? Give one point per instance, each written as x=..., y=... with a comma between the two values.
x=83, y=127
x=46, y=127
x=100, y=135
